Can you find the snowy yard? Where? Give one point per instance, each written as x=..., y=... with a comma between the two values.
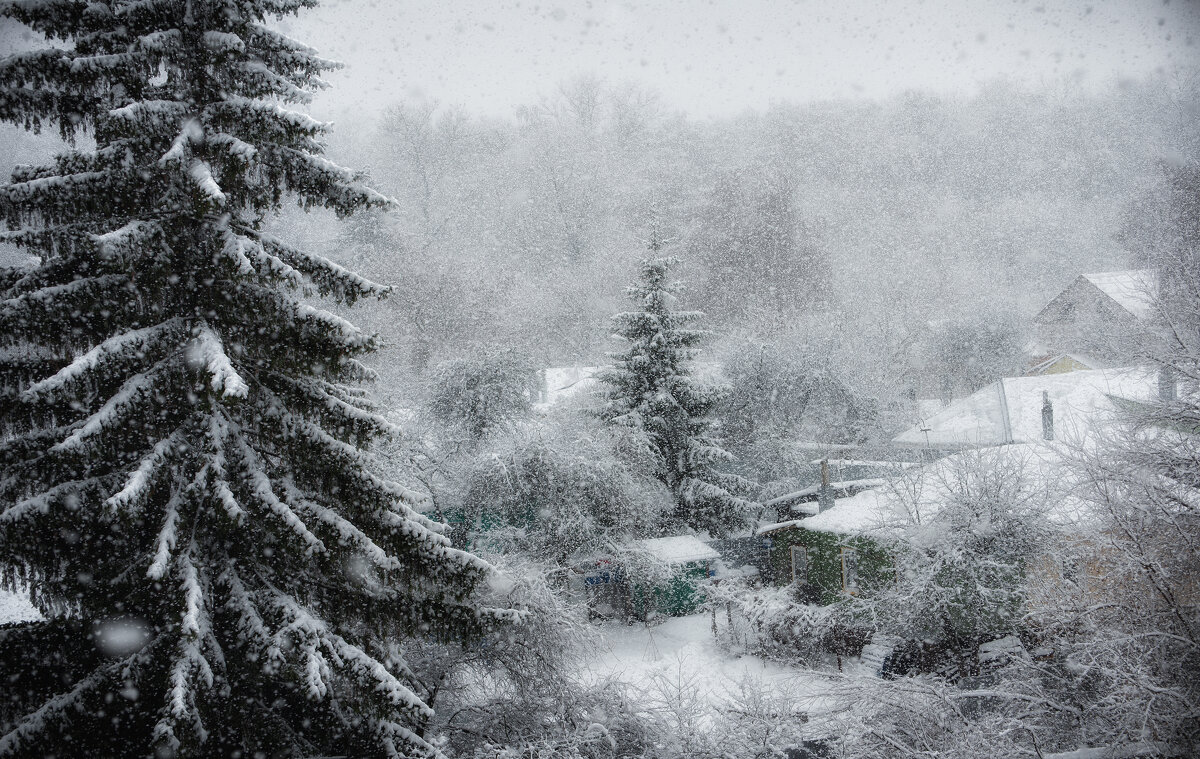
x=682, y=649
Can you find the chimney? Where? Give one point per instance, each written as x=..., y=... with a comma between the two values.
x=1047, y=417
x=1166, y=383
x=825, y=494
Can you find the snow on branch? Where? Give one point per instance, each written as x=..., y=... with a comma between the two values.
x=351, y=336
x=288, y=51
x=316, y=672
x=130, y=393
x=274, y=83
x=234, y=249
x=160, y=41
x=150, y=112
x=43, y=188
x=131, y=238
x=248, y=112
x=98, y=63
x=260, y=486
x=368, y=669
x=389, y=732
x=138, y=482
x=207, y=352
x=35, y=725
x=329, y=277
x=221, y=42
x=123, y=345
x=166, y=538
x=325, y=394
x=40, y=503
x=347, y=532
x=237, y=148
x=201, y=174
x=189, y=661
x=190, y=133
x=218, y=430
x=251, y=627
x=321, y=181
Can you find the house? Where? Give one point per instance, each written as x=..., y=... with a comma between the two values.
x=839, y=478
x=688, y=562
x=842, y=550
x=1094, y=323
x=1030, y=409
x=832, y=553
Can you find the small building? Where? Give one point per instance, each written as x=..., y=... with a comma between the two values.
x=829, y=555
x=689, y=562
x=654, y=575
x=1062, y=363
x=1099, y=316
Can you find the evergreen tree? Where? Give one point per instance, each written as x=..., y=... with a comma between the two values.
x=186, y=489
x=650, y=389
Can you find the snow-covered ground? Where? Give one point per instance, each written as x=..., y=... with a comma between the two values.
x=682, y=651
x=15, y=607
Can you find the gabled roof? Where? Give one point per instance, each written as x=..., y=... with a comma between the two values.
x=1010, y=410
x=1060, y=363
x=1133, y=290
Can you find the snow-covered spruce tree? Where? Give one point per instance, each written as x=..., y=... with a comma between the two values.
x=650, y=389
x=185, y=489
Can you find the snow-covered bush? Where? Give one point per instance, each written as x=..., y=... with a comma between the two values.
x=775, y=623
x=964, y=533
x=761, y=720
x=557, y=492
x=523, y=691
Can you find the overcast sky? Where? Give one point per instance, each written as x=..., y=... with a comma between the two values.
x=714, y=57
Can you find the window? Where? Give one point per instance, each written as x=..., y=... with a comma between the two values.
x=800, y=565
x=849, y=570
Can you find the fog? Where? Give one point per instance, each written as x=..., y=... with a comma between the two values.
x=600, y=380
x=721, y=58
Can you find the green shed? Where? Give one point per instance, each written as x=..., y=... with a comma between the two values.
x=829, y=554
x=685, y=563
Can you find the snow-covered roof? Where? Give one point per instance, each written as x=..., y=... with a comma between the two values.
x=858, y=513
x=938, y=482
x=1046, y=362
x=1133, y=290
x=812, y=490
x=678, y=549
x=769, y=528
x=1010, y=410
